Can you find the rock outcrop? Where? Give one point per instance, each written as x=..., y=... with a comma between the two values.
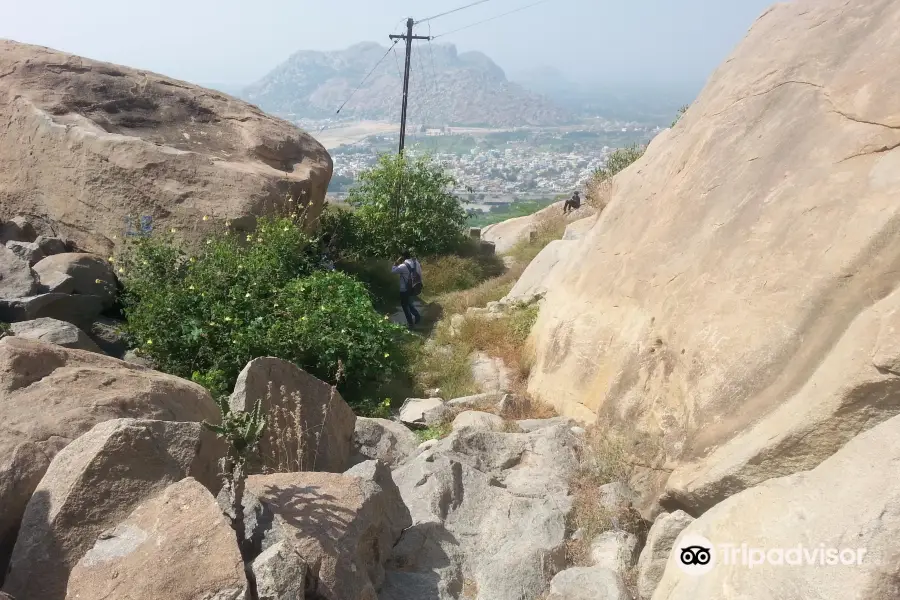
x=50, y=395
x=737, y=252
x=177, y=546
x=849, y=503
x=310, y=427
x=506, y=234
x=381, y=439
x=342, y=525
x=54, y=331
x=92, y=485
x=489, y=514
x=98, y=151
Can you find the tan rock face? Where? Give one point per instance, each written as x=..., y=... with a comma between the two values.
x=738, y=250
x=50, y=395
x=92, y=485
x=176, y=545
x=849, y=502
x=310, y=427
x=139, y=144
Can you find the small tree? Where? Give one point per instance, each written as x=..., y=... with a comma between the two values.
x=242, y=432
x=406, y=203
x=600, y=185
x=680, y=114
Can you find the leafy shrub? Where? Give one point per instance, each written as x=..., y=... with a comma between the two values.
x=205, y=316
x=400, y=203
x=5, y=330
x=680, y=114
x=600, y=185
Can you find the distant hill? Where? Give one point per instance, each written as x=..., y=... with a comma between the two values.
x=446, y=88
x=645, y=104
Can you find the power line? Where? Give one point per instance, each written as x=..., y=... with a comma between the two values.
x=366, y=78
x=492, y=18
x=450, y=12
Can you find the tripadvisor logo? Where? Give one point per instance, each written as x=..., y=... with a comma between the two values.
x=696, y=555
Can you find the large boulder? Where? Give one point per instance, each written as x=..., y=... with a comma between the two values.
x=489, y=512
x=615, y=550
x=736, y=252
x=53, y=331
x=310, y=427
x=177, y=546
x=478, y=420
x=92, y=485
x=823, y=521
x=91, y=275
x=655, y=555
x=342, y=525
x=588, y=583
x=51, y=395
x=856, y=387
x=423, y=412
x=17, y=279
x=540, y=274
x=381, y=439
x=149, y=151
x=79, y=309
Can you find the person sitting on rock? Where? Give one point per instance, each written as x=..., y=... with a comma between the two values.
x=573, y=203
x=410, y=272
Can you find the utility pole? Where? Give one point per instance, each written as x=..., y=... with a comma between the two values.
x=408, y=37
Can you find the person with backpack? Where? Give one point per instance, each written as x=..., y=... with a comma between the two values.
x=410, y=272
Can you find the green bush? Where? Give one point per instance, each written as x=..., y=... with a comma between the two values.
x=618, y=161
x=400, y=203
x=204, y=316
x=680, y=114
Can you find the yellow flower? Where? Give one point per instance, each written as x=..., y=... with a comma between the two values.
x=149, y=342
x=303, y=319
x=386, y=317
x=98, y=281
x=173, y=230
x=228, y=319
x=192, y=259
x=111, y=259
x=249, y=238
x=206, y=217
x=209, y=242
x=190, y=287
x=121, y=270
x=247, y=295
x=286, y=228
x=227, y=223
x=386, y=355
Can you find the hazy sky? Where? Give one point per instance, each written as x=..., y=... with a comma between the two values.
x=237, y=41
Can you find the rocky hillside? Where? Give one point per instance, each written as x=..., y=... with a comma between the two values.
x=445, y=88
x=739, y=316
x=100, y=150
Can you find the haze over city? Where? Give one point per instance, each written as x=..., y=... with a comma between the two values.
x=234, y=42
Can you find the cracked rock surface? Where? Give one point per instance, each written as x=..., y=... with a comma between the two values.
x=489, y=516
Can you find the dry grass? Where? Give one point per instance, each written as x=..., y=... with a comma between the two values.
x=599, y=193
x=491, y=290
x=526, y=407
x=603, y=459
x=292, y=443
x=550, y=228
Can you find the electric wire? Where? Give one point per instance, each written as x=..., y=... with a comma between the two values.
x=450, y=12
x=521, y=8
